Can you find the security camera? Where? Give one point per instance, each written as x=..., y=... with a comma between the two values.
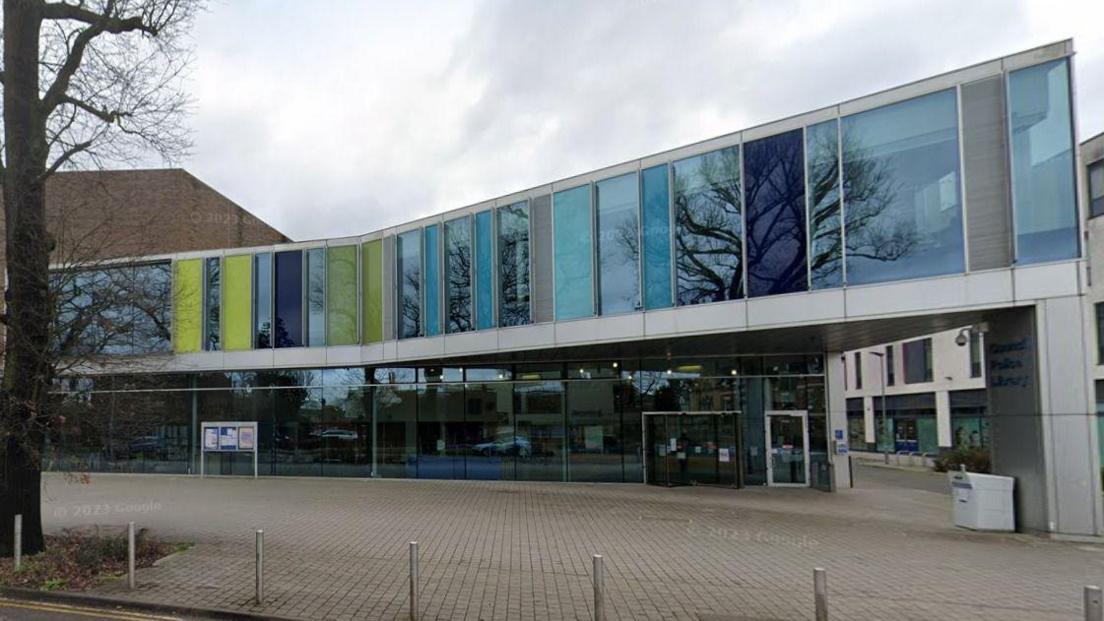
x=963, y=337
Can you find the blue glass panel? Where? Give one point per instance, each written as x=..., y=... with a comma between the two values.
x=774, y=189
x=458, y=264
x=901, y=190
x=289, y=298
x=618, y=236
x=408, y=268
x=513, y=264
x=825, y=225
x=656, y=216
x=1043, y=203
x=484, y=271
x=262, y=300
x=316, y=297
x=709, y=228
x=573, y=258
x=432, y=280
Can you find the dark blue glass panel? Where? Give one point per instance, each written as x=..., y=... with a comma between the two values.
x=825, y=224
x=656, y=220
x=709, y=228
x=432, y=280
x=513, y=264
x=484, y=271
x=289, y=298
x=901, y=191
x=774, y=188
x=458, y=268
x=1043, y=196
x=408, y=268
x=618, y=238
x=573, y=251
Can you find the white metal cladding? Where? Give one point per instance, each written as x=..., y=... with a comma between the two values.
x=985, y=171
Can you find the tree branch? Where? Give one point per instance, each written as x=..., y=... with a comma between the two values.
x=107, y=116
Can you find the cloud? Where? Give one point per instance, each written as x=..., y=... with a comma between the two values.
x=343, y=121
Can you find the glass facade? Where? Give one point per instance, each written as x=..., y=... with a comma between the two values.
x=556, y=421
x=655, y=237
x=573, y=232
x=774, y=189
x=262, y=300
x=458, y=275
x=119, y=310
x=341, y=295
x=513, y=264
x=617, y=204
x=823, y=189
x=432, y=282
x=289, y=298
x=1043, y=181
x=901, y=190
x=316, y=297
x=484, y=271
x=408, y=272
x=709, y=228
x=212, y=304
x=371, y=275
x=917, y=356
x=237, y=318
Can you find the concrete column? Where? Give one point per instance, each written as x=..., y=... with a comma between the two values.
x=1043, y=424
x=837, y=417
x=868, y=420
x=943, y=418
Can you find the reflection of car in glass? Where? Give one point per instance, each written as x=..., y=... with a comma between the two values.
x=340, y=434
x=147, y=445
x=505, y=445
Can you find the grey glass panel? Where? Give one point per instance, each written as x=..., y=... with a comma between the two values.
x=574, y=253
x=901, y=190
x=289, y=298
x=408, y=267
x=390, y=289
x=825, y=224
x=1043, y=203
x=774, y=188
x=458, y=271
x=985, y=166
x=543, y=280
x=513, y=264
x=212, y=299
x=656, y=237
x=316, y=297
x=709, y=228
x=618, y=240
x=262, y=300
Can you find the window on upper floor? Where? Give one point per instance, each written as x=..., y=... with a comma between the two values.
x=655, y=213
x=408, y=272
x=825, y=227
x=774, y=190
x=616, y=201
x=573, y=254
x=1099, y=332
x=858, y=370
x=458, y=275
x=709, y=258
x=513, y=264
x=918, y=361
x=212, y=303
x=890, y=371
x=1096, y=188
x=975, y=353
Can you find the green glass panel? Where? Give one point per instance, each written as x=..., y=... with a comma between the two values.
x=237, y=301
x=341, y=291
x=372, y=277
x=187, y=305
x=926, y=434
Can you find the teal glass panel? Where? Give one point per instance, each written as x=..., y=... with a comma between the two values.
x=432, y=272
x=1043, y=197
x=484, y=271
x=458, y=264
x=618, y=238
x=573, y=257
x=656, y=221
x=316, y=297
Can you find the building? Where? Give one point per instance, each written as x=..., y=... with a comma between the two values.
x=675, y=319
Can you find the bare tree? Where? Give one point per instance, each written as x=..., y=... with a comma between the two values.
x=85, y=82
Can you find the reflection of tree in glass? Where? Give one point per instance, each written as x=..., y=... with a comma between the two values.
x=410, y=304
x=708, y=231
x=775, y=192
x=870, y=190
x=513, y=251
x=458, y=261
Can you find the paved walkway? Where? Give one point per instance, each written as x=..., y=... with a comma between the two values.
x=336, y=549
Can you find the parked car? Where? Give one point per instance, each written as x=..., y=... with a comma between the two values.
x=505, y=445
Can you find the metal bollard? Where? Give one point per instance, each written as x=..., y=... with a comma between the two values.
x=599, y=583
x=820, y=591
x=413, y=581
x=259, y=584
x=1094, y=604
x=17, y=552
x=130, y=555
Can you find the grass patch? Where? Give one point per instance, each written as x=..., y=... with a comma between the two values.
x=81, y=558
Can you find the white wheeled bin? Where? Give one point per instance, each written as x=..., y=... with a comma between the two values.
x=982, y=501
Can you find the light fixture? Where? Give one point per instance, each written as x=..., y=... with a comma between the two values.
x=615, y=365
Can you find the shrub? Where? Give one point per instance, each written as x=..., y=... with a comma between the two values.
x=975, y=460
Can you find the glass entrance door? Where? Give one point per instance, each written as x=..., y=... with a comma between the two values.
x=788, y=442
x=692, y=448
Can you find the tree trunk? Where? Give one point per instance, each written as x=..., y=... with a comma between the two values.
x=26, y=379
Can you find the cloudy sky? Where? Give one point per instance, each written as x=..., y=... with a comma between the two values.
x=338, y=118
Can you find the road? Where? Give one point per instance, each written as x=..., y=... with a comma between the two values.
x=878, y=476
x=21, y=610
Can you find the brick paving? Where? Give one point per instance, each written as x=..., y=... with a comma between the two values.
x=337, y=549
